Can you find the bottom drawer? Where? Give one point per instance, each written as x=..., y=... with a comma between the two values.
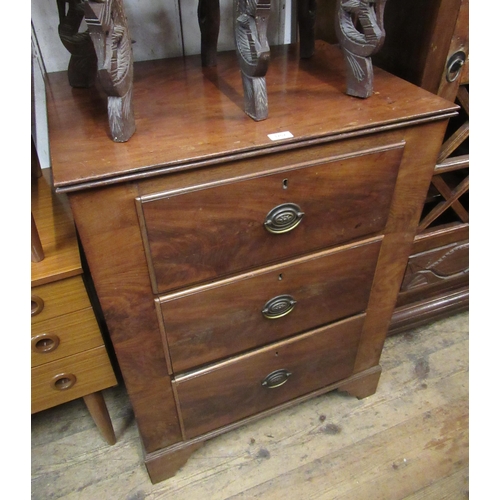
x=64, y=336
x=66, y=379
x=243, y=386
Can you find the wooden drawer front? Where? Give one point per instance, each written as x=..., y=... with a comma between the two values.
x=70, y=378
x=227, y=392
x=58, y=298
x=63, y=336
x=229, y=318
x=437, y=266
x=210, y=232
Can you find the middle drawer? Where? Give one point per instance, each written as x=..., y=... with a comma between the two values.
x=215, y=321
x=63, y=336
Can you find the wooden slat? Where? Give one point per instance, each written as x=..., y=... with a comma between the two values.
x=453, y=142
x=448, y=488
x=393, y=461
x=447, y=193
x=453, y=163
x=444, y=205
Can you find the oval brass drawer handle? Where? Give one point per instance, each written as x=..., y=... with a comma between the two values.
x=44, y=343
x=278, y=306
x=36, y=305
x=276, y=379
x=283, y=218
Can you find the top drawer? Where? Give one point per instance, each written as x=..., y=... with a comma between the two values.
x=210, y=231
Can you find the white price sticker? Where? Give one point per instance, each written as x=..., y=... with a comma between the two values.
x=280, y=136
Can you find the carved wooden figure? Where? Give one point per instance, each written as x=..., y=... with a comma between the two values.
x=82, y=66
x=359, y=29
x=109, y=33
x=252, y=48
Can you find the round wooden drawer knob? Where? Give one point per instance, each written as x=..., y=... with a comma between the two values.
x=63, y=381
x=36, y=305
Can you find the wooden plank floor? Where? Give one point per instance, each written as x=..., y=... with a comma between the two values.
x=408, y=441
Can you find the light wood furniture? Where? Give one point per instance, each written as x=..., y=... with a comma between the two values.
x=68, y=356
x=427, y=43
x=245, y=266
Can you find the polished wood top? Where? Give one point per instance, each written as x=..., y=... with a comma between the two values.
x=57, y=234
x=188, y=116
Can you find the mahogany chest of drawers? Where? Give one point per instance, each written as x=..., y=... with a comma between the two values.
x=239, y=274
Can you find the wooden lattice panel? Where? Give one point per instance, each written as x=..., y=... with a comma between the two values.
x=447, y=201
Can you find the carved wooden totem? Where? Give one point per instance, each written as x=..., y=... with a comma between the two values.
x=82, y=68
x=252, y=48
x=360, y=32
x=109, y=33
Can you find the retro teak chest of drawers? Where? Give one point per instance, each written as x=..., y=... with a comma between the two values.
x=239, y=274
x=69, y=359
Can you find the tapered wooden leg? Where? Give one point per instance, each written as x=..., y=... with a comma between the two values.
x=209, y=21
x=363, y=384
x=306, y=17
x=252, y=49
x=99, y=412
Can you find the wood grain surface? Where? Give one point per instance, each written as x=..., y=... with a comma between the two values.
x=215, y=231
x=91, y=370
x=188, y=115
x=208, y=130
x=231, y=390
x=60, y=298
x=76, y=332
x=409, y=441
x=200, y=325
